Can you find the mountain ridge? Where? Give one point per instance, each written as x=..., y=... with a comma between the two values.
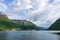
x=7, y=24
x=55, y=25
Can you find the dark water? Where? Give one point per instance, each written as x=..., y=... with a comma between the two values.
x=28, y=35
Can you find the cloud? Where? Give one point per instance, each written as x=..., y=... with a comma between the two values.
x=3, y=7
x=18, y=7
x=41, y=12
x=47, y=14
x=40, y=4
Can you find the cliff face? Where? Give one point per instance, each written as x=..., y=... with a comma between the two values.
x=55, y=26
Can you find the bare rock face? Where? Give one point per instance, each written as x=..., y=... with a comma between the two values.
x=3, y=15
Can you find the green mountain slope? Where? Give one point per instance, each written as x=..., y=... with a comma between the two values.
x=7, y=24
x=26, y=25
x=55, y=26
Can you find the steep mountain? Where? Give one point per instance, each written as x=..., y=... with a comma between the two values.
x=26, y=24
x=55, y=26
x=7, y=24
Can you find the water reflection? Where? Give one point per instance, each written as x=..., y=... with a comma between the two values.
x=28, y=35
x=3, y=35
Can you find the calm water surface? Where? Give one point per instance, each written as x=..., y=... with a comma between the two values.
x=28, y=35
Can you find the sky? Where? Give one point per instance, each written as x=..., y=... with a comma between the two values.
x=43, y=13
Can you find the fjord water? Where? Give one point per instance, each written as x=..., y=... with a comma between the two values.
x=28, y=35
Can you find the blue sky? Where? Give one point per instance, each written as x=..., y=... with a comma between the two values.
x=41, y=12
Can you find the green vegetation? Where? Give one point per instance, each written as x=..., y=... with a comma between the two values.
x=55, y=26
x=27, y=25
x=7, y=24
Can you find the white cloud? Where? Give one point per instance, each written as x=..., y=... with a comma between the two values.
x=3, y=7
x=47, y=14
x=15, y=17
x=15, y=3
x=40, y=4
x=18, y=6
x=44, y=15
